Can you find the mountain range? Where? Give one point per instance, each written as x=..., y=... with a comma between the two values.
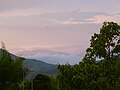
x=45, y=61
x=37, y=66
x=51, y=56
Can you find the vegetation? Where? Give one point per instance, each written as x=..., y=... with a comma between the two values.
x=12, y=73
x=41, y=82
x=100, y=68
x=105, y=45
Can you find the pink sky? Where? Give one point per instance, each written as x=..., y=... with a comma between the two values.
x=58, y=23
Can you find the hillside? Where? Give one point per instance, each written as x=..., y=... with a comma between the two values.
x=36, y=66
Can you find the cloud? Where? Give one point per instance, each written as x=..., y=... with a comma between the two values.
x=98, y=19
x=70, y=21
x=8, y=5
x=21, y=12
x=102, y=18
x=35, y=18
x=76, y=16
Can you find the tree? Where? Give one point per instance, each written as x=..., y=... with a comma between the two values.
x=64, y=77
x=91, y=74
x=11, y=72
x=53, y=83
x=106, y=43
x=41, y=82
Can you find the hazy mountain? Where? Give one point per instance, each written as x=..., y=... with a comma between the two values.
x=36, y=66
x=40, y=67
x=51, y=56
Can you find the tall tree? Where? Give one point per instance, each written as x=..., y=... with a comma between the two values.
x=104, y=44
x=90, y=74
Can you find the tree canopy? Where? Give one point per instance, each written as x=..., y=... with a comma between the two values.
x=91, y=74
x=106, y=44
x=41, y=82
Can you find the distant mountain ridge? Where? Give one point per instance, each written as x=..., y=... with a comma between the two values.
x=32, y=52
x=51, y=56
x=36, y=66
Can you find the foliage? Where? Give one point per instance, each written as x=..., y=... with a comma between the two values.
x=65, y=77
x=27, y=85
x=91, y=74
x=41, y=82
x=103, y=75
x=53, y=83
x=106, y=43
x=11, y=72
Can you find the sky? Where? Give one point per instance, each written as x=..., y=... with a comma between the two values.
x=54, y=23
